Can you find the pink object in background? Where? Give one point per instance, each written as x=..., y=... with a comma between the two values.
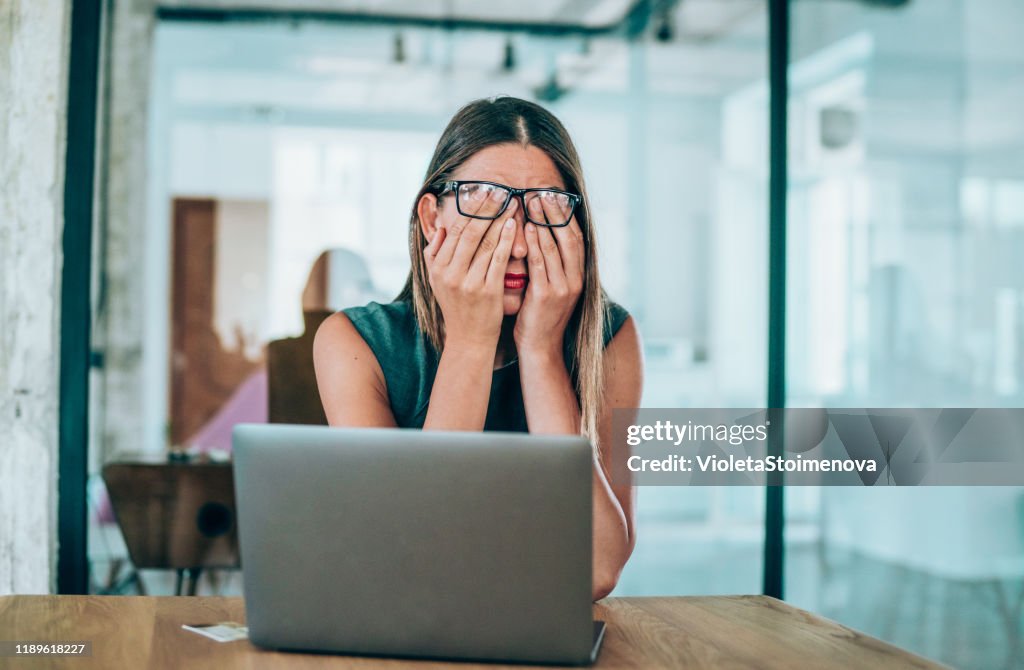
x=104, y=510
x=248, y=404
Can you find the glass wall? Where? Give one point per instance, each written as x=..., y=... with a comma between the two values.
x=906, y=229
x=282, y=162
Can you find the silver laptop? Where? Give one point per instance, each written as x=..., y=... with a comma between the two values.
x=412, y=543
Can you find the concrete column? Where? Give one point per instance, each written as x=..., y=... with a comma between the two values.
x=118, y=332
x=34, y=41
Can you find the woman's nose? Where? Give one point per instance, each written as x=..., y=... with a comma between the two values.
x=515, y=210
x=519, y=243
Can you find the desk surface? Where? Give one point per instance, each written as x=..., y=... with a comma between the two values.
x=667, y=632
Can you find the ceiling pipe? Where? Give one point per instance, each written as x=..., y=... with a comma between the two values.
x=631, y=26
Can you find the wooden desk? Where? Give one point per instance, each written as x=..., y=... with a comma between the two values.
x=678, y=632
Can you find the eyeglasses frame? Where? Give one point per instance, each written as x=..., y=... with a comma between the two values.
x=453, y=187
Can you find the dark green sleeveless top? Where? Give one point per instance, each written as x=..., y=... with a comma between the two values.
x=409, y=363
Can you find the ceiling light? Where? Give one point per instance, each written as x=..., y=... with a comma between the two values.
x=398, y=49
x=509, y=62
x=550, y=90
x=665, y=31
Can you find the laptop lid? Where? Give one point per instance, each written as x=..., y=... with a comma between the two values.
x=416, y=543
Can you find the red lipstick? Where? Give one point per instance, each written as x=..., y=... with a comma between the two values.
x=514, y=280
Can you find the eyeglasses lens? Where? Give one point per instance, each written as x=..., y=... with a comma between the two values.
x=548, y=208
x=482, y=200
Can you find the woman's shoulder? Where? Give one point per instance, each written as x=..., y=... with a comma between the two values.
x=383, y=339
x=614, y=316
x=386, y=327
x=405, y=358
x=383, y=317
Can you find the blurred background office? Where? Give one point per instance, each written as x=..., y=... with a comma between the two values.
x=243, y=145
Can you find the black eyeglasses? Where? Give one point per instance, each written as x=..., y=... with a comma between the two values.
x=487, y=200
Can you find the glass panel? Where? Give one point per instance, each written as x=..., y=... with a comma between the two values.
x=692, y=249
x=282, y=160
x=906, y=167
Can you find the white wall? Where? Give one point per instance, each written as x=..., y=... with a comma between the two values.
x=33, y=85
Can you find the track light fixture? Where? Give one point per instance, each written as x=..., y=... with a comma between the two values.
x=509, y=62
x=398, y=49
x=665, y=30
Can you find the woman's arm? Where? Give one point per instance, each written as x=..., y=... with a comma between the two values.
x=466, y=265
x=552, y=408
x=351, y=383
x=624, y=376
x=556, y=259
x=462, y=388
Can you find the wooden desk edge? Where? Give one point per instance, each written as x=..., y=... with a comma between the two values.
x=605, y=609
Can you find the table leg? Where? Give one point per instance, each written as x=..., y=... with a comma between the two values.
x=193, y=574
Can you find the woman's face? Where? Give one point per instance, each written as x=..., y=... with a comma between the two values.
x=519, y=167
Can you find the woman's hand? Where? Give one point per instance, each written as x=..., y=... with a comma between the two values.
x=555, y=258
x=466, y=264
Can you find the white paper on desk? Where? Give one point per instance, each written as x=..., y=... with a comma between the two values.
x=225, y=631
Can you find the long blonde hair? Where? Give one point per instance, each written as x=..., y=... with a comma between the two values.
x=500, y=120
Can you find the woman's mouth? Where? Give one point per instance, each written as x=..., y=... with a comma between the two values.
x=515, y=281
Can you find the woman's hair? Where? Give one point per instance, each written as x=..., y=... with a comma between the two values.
x=500, y=120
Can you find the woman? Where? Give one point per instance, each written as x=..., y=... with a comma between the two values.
x=502, y=324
